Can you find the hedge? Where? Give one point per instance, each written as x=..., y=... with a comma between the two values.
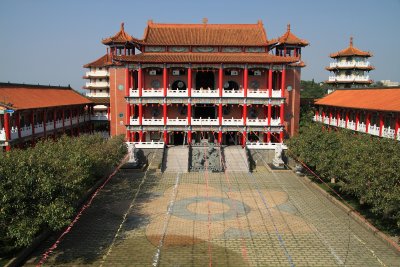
x=41, y=186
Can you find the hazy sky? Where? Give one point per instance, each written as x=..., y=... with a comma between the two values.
x=48, y=41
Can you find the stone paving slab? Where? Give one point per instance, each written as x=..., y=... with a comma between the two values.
x=233, y=219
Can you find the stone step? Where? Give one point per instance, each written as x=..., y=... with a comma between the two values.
x=235, y=159
x=176, y=159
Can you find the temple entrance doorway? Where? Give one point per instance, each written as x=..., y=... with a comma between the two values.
x=231, y=138
x=178, y=138
x=205, y=80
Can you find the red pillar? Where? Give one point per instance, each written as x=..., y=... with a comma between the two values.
x=316, y=114
x=380, y=124
x=189, y=83
x=346, y=119
x=127, y=81
x=244, y=114
x=330, y=116
x=220, y=80
x=337, y=117
x=189, y=136
x=128, y=114
x=128, y=136
x=44, y=123
x=140, y=115
x=281, y=136
x=282, y=113
x=108, y=113
x=7, y=129
x=165, y=137
x=140, y=136
x=245, y=80
x=33, y=126
x=270, y=82
x=19, y=124
x=357, y=120
x=283, y=82
x=396, y=127
x=244, y=139
x=367, y=122
x=323, y=115
x=132, y=138
x=140, y=80
x=70, y=119
x=165, y=80
x=131, y=82
x=165, y=113
x=220, y=137
x=189, y=113
x=220, y=114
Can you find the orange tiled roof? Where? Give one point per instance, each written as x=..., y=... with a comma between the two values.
x=206, y=58
x=372, y=99
x=120, y=37
x=289, y=38
x=205, y=34
x=22, y=96
x=103, y=61
x=350, y=51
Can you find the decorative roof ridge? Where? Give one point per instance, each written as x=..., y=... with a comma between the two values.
x=33, y=86
x=351, y=50
x=201, y=25
x=285, y=38
x=106, y=58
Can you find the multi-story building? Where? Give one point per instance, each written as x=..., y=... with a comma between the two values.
x=30, y=112
x=222, y=82
x=374, y=111
x=350, y=69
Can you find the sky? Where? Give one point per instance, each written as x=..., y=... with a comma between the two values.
x=48, y=41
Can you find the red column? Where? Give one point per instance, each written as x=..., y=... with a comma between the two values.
x=140, y=136
x=127, y=80
x=380, y=124
x=245, y=80
x=316, y=114
x=165, y=113
x=282, y=113
x=44, y=123
x=270, y=82
x=140, y=80
x=244, y=114
x=33, y=126
x=128, y=136
x=128, y=114
x=220, y=137
x=396, y=127
x=347, y=119
x=70, y=119
x=63, y=120
x=367, y=122
x=7, y=129
x=189, y=136
x=330, y=116
x=244, y=139
x=283, y=82
x=220, y=80
x=165, y=80
x=132, y=138
x=140, y=115
x=357, y=120
x=108, y=113
x=189, y=113
x=323, y=116
x=19, y=124
x=165, y=137
x=189, y=83
x=281, y=137
x=132, y=82
x=337, y=117
x=220, y=114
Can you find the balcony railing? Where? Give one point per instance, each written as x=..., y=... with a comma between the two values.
x=98, y=73
x=39, y=127
x=99, y=117
x=205, y=93
x=92, y=94
x=233, y=93
x=205, y=121
x=152, y=92
x=350, y=78
x=177, y=121
x=350, y=64
x=97, y=84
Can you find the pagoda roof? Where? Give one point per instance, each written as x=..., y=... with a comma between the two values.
x=384, y=99
x=100, y=100
x=350, y=51
x=103, y=61
x=206, y=58
x=289, y=38
x=120, y=37
x=205, y=34
x=28, y=96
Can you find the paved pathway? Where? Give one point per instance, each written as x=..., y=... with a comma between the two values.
x=233, y=219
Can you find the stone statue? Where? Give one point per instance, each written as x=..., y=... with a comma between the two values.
x=132, y=152
x=277, y=161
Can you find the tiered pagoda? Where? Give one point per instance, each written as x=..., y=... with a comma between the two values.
x=350, y=69
x=223, y=82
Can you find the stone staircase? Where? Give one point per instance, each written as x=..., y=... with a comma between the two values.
x=235, y=159
x=176, y=159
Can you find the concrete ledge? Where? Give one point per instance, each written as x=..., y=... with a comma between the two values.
x=355, y=215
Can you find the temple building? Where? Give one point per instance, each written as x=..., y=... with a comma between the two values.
x=350, y=69
x=374, y=111
x=182, y=83
x=32, y=112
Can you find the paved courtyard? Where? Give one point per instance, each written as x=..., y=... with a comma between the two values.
x=200, y=219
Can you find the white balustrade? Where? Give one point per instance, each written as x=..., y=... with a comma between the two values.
x=361, y=127
x=177, y=121
x=351, y=125
x=232, y=122
x=59, y=124
x=97, y=73
x=26, y=131
x=39, y=128
x=373, y=129
x=177, y=93
x=99, y=117
x=257, y=122
x=350, y=64
x=133, y=92
x=2, y=135
x=388, y=132
x=74, y=120
x=152, y=92
x=258, y=93
x=49, y=125
x=333, y=122
x=206, y=122
x=205, y=93
x=342, y=123
x=259, y=145
x=67, y=122
x=93, y=94
x=349, y=78
x=151, y=144
x=152, y=121
x=97, y=84
x=326, y=120
x=276, y=122
x=276, y=93
x=233, y=93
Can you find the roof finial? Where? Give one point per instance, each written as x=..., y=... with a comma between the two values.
x=288, y=27
x=351, y=40
x=205, y=20
x=122, y=26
